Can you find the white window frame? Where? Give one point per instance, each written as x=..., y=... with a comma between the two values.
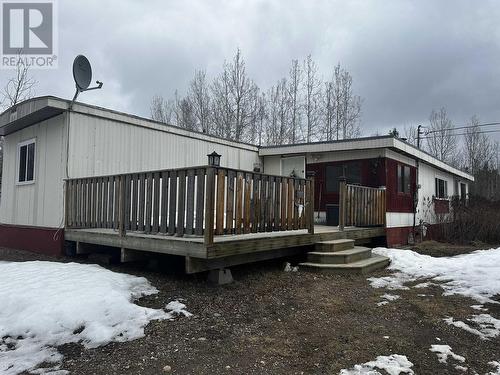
x=19, y=145
x=446, y=195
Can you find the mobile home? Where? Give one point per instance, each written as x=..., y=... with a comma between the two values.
x=89, y=175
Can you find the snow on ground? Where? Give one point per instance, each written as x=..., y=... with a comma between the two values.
x=46, y=304
x=444, y=351
x=386, y=298
x=496, y=365
x=486, y=326
x=475, y=275
x=393, y=364
x=479, y=307
x=177, y=308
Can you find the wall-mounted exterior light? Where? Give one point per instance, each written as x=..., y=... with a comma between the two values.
x=214, y=159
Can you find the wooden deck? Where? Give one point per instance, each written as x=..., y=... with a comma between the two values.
x=226, y=250
x=213, y=216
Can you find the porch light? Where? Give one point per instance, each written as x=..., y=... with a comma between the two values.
x=214, y=159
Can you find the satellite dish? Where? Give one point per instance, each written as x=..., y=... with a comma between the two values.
x=82, y=72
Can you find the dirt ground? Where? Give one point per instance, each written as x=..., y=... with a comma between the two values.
x=439, y=249
x=274, y=322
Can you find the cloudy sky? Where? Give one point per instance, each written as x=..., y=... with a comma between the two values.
x=406, y=57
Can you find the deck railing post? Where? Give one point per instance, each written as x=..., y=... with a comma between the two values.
x=121, y=210
x=66, y=204
x=342, y=202
x=310, y=205
x=209, y=207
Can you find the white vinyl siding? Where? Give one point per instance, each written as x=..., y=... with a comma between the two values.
x=41, y=203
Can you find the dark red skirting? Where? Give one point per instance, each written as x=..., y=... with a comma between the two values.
x=42, y=240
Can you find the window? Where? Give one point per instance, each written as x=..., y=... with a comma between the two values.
x=26, y=152
x=441, y=188
x=404, y=179
x=334, y=172
x=463, y=191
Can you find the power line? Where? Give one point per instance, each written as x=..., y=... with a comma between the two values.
x=481, y=132
x=462, y=127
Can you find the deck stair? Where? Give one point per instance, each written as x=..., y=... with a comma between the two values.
x=342, y=256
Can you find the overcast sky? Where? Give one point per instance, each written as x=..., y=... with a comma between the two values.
x=406, y=57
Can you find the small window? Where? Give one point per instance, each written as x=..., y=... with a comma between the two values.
x=441, y=188
x=463, y=191
x=26, y=152
x=404, y=179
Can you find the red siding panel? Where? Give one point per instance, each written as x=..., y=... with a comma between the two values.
x=36, y=239
x=399, y=202
x=441, y=206
x=397, y=236
x=372, y=174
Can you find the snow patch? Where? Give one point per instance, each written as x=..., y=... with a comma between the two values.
x=177, y=308
x=47, y=304
x=393, y=364
x=475, y=275
x=488, y=327
x=423, y=285
x=495, y=364
x=289, y=268
x=387, y=298
x=479, y=307
x=444, y=351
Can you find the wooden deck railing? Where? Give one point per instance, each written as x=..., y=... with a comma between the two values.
x=361, y=206
x=190, y=200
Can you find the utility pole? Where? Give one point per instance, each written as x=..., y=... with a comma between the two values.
x=417, y=186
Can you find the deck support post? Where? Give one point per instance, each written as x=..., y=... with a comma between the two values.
x=342, y=202
x=310, y=204
x=220, y=276
x=209, y=207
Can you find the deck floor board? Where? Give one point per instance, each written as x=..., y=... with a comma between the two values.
x=223, y=246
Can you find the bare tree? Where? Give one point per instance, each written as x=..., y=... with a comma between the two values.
x=294, y=83
x=262, y=116
x=199, y=96
x=294, y=109
x=234, y=96
x=277, y=130
x=185, y=114
x=162, y=110
x=410, y=133
x=329, y=111
x=18, y=88
x=222, y=112
x=441, y=143
x=340, y=107
x=478, y=150
x=312, y=94
x=349, y=105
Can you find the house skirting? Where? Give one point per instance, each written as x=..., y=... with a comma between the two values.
x=49, y=241
x=397, y=236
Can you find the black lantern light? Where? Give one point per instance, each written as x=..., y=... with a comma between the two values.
x=214, y=159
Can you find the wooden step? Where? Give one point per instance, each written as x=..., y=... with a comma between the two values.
x=360, y=267
x=334, y=245
x=339, y=257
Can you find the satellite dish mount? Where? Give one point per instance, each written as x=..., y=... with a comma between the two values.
x=82, y=74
